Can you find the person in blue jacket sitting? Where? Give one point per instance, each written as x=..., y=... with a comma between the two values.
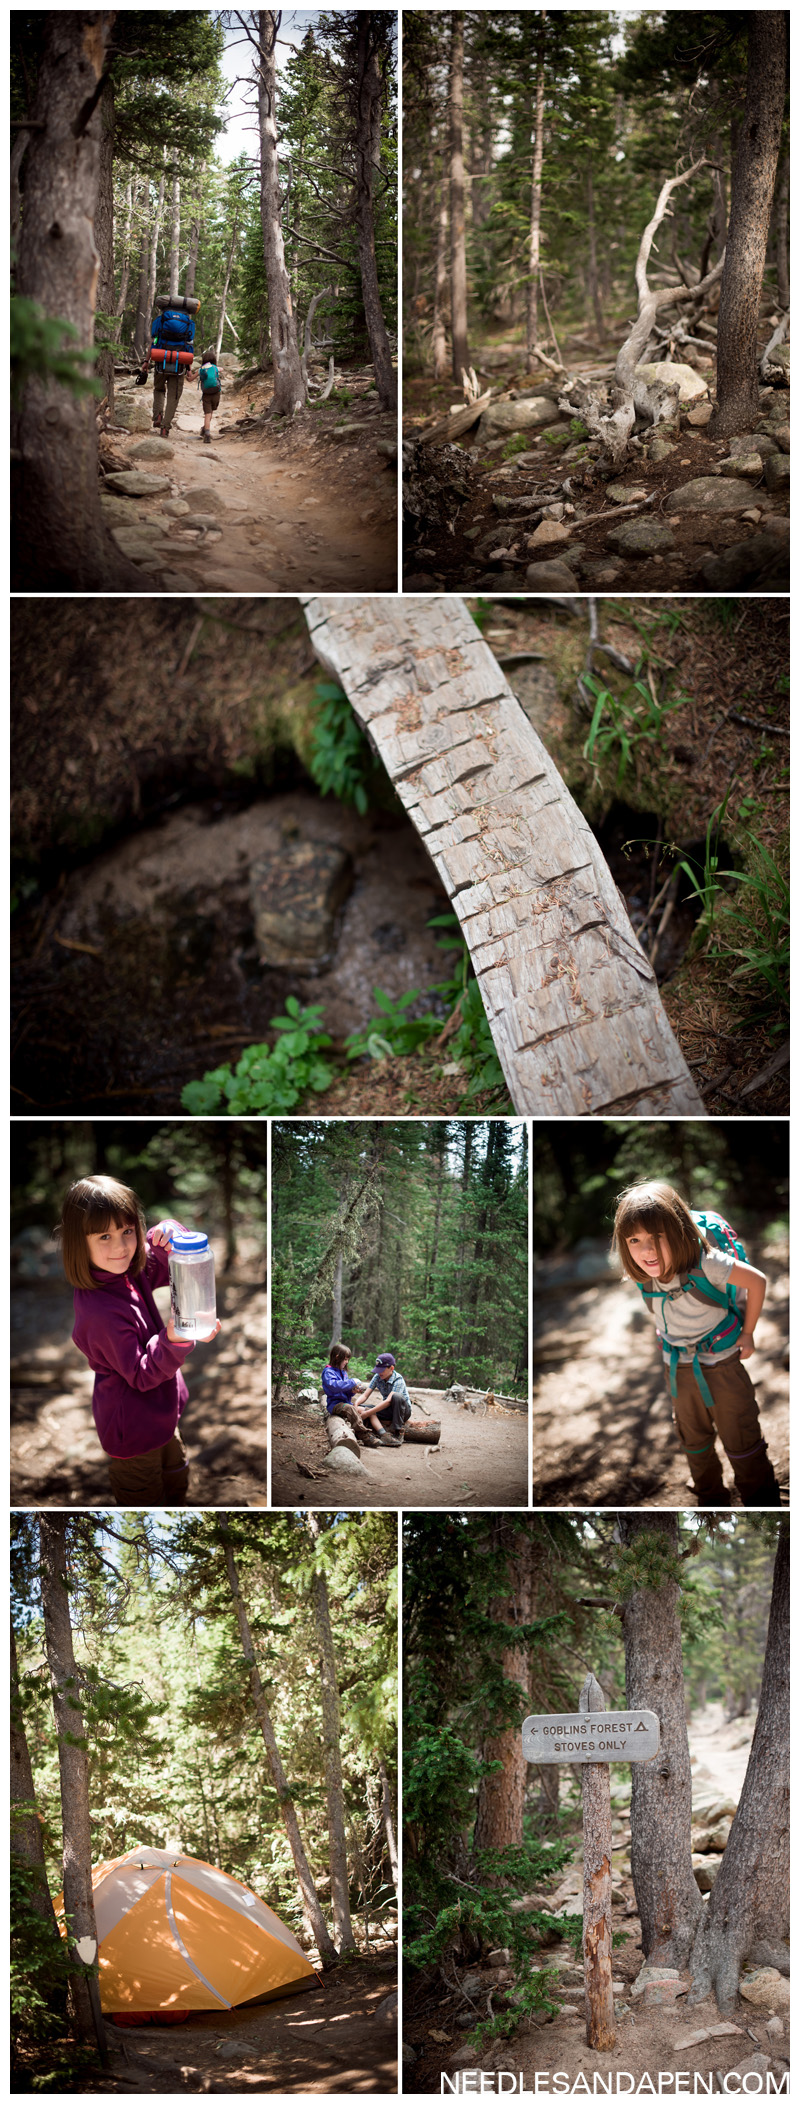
x=340, y=1388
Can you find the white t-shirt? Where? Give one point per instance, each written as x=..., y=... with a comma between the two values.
x=684, y=1320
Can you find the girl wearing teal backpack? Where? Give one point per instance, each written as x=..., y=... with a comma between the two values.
x=705, y=1300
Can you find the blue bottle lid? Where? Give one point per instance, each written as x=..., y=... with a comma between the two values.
x=184, y=1243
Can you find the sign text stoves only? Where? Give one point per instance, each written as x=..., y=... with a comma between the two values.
x=589, y=1740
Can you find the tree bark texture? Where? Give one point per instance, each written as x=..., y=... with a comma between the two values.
x=288, y=390
x=175, y=228
x=571, y=1000
x=336, y=1313
x=73, y=1767
x=156, y=229
x=340, y=1434
x=228, y=269
x=781, y=216
x=141, y=334
x=419, y=1431
x=60, y=542
x=501, y=1795
x=26, y=1831
x=387, y=1816
x=368, y=132
x=536, y=200
x=747, y=1915
x=458, y=246
x=104, y=236
x=751, y=206
x=667, y=1896
x=312, y=1911
x=598, y=1989
x=131, y=189
x=438, y=336
x=331, y=1740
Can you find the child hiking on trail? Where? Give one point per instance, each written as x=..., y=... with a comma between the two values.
x=339, y=1388
x=114, y=1262
x=209, y=381
x=705, y=1300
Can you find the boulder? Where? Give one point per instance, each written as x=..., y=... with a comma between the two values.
x=204, y=497
x=135, y=483
x=706, y=1870
x=776, y=472
x=387, y=447
x=690, y=383
x=642, y=537
x=175, y=508
x=782, y=436
x=134, y=411
x=656, y=1984
x=700, y=415
x=765, y=1989
x=742, y=464
x=621, y=494
x=550, y=533
x=710, y=493
x=712, y=1839
x=347, y=433
x=546, y=577
x=152, y=449
x=343, y=1463
x=119, y=511
x=295, y=893
x=526, y=415
x=137, y=542
x=762, y=561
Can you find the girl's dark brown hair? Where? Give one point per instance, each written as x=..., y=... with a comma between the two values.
x=659, y=1211
x=339, y=1355
x=92, y=1205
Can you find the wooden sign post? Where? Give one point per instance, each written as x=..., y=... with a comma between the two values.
x=591, y=1739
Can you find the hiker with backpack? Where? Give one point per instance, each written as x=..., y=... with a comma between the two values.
x=705, y=1300
x=209, y=382
x=171, y=356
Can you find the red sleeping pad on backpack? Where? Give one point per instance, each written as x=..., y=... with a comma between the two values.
x=171, y=360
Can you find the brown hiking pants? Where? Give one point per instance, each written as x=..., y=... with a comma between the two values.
x=160, y=1477
x=735, y=1418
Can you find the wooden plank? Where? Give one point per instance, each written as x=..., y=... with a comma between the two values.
x=452, y=426
x=571, y=999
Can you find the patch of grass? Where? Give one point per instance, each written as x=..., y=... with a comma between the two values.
x=620, y=728
x=516, y=444
x=752, y=925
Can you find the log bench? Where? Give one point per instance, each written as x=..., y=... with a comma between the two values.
x=572, y=1002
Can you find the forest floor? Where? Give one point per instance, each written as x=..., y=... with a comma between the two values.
x=56, y=1457
x=602, y=1418
x=316, y=2044
x=296, y=507
x=728, y=744
x=463, y=542
x=479, y=1461
x=652, y=2038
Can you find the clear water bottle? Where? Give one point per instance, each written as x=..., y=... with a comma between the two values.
x=191, y=1280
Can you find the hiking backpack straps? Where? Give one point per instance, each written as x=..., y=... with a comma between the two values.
x=727, y=1331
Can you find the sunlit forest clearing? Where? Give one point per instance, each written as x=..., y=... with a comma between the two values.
x=204, y=387
x=407, y=1239
x=214, y=1700
x=596, y=300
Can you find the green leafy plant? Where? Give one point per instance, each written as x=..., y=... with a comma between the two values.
x=756, y=916
x=516, y=444
x=44, y=347
x=482, y=612
x=341, y=762
x=269, y=1082
x=621, y=727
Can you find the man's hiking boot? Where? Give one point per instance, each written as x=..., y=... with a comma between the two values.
x=206, y=438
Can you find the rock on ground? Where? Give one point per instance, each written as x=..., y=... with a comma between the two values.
x=710, y=493
x=342, y=1463
x=691, y=384
x=547, y=577
x=135, y=483
x=642, y=537
x=295, y=894
x=527, y=415
x=776, y=471
x=153, y=449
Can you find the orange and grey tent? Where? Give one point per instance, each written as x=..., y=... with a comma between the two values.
x=177, y=1934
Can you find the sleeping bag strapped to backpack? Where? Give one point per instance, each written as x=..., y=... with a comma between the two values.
x=719, y=1235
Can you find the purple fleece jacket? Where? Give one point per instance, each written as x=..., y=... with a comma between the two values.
x=139, y=1390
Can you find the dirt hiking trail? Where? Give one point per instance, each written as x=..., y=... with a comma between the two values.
x=286, y=510
x=479, y=1461
x=602, y=1418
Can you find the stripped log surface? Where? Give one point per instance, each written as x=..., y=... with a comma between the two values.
x=341, y=1434
x=572, y=1002
x=422, y=1431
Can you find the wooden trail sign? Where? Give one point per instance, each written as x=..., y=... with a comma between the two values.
x=590, y=1740
x=572, y=1002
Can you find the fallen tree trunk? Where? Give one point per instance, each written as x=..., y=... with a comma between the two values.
x=422, y=1432
x=571, y=1000
x=458, y=421
x=341, y=1434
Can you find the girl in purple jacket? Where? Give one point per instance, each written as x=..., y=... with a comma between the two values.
x=114, y=1262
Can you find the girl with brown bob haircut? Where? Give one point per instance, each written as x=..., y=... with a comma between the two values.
x=93, y=1205
x=658, y=1210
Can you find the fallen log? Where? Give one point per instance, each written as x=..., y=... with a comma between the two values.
x=571, y=1000
x=454, y=425
x=427, y=1433
x=341, y=1434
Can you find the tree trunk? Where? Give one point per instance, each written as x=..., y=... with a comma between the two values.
x=592, y=279
x=73, y=1765
x=156, y=229
x=341, y=1434
x=60, y=543
x=501, y=1795
x=438, y=335
x=368, y=132
x=175, y=229
x=194, y=241
x=104, y=236
x=747, y=1915
x=598, y=1987
x=288, y=390
x=336, y=1322
x=22, y=140
x=667, y=1897
x=312, y=1911
x=26, y=1830
x=331, y=1738
x=458, y=251
x=131, y=189
x=751, y=206
x=782, y=230
x=387, y=1815
x=422, y=1431
x=536, y=199
x=141, y=335
x=228, y=269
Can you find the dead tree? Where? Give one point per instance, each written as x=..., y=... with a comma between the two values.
x=630, y=396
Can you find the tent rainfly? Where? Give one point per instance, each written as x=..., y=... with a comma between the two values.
x=176, y=1934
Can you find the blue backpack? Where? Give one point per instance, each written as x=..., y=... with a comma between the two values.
x=175, y=329
x=209, y=377
x=726, y=1332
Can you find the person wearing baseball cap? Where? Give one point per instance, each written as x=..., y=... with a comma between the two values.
x=389, y=1415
